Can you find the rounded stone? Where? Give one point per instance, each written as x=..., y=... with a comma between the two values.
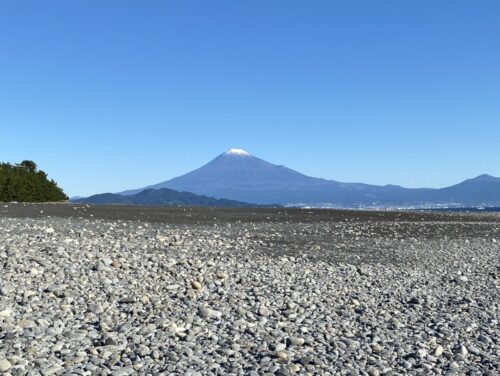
x=196, y=285
x=282, y=355
x=4, y=365
x=296, y=341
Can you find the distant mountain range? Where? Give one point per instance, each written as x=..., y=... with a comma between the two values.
x=161, y=197
x=237, y=175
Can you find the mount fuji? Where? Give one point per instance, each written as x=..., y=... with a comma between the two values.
x=238, y=175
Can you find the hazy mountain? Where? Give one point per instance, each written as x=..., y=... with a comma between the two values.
x=482, y=190
x=237, y=175
x=161, y=197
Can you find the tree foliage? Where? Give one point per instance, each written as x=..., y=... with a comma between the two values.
x=23, y=182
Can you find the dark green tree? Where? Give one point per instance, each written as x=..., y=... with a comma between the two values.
x=29, y=166
x=25, y=183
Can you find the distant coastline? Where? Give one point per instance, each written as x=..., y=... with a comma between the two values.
x=472, y=209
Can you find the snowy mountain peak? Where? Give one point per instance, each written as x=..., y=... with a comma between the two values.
x=237, y=152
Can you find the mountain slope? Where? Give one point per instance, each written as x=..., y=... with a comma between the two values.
x=482, y=190
x=161, y=197
x=237, y=170
x=237, y=175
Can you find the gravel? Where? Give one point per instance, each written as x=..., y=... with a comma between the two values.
x=89, y=296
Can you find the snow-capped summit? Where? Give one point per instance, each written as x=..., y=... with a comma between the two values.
x=237, y=152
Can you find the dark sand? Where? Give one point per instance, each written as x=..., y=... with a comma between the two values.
x=162, y=214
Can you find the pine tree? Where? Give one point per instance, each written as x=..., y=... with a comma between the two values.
x=25, y=183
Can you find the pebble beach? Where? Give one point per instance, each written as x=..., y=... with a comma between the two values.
x=171, y=291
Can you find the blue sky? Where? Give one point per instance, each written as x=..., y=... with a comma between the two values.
x=109, y=95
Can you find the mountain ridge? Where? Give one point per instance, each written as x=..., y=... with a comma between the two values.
x=162, y=197
x=238, y=175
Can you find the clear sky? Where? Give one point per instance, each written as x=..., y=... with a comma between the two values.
x=109, y=95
